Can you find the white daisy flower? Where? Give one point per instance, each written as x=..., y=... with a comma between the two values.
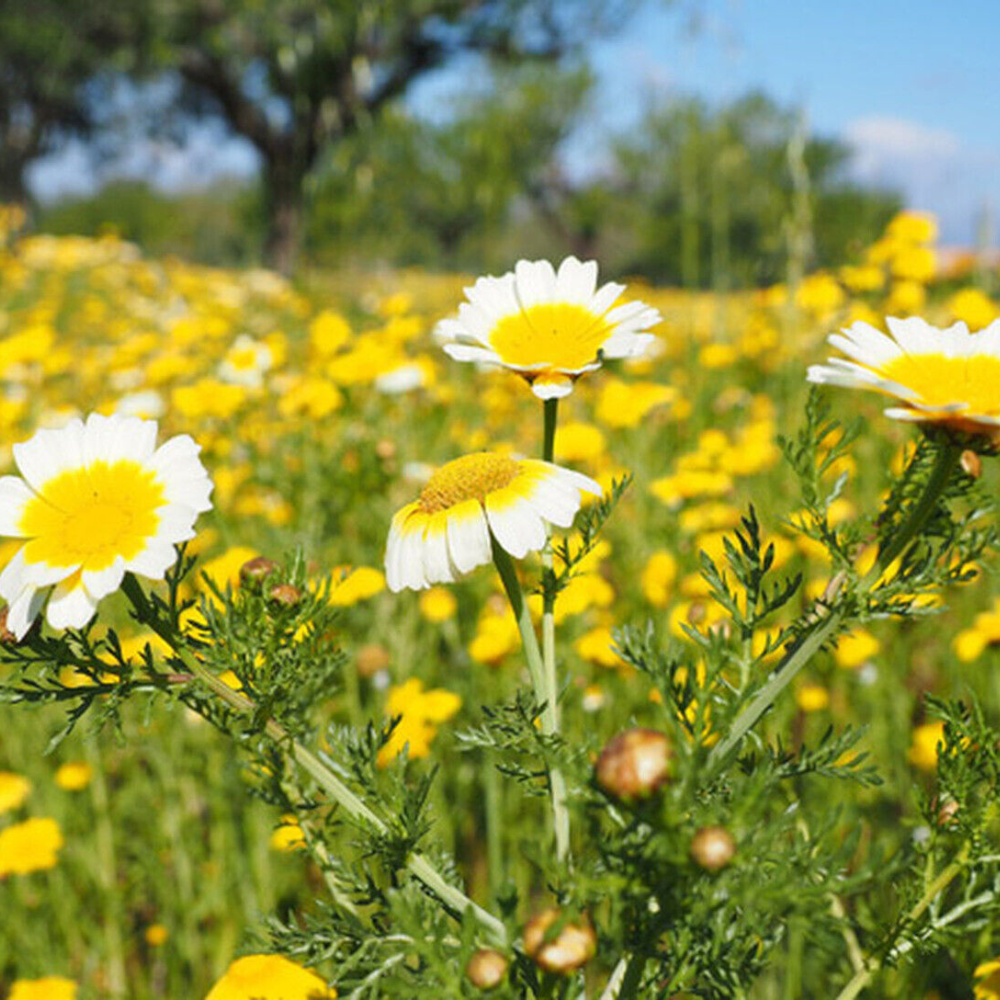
x=97, y=500
x=548, y=326
x=446, y=532
x=948, y=376
x=246, y=362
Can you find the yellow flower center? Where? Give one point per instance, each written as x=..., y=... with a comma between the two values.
x=562, y=335
x=468, y=478
x=89, y=516
x=939, y=380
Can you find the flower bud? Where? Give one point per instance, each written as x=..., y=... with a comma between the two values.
x=285, y=594
x=972, y=464
x=634, y=764
x=569, y=949
x=486, y=969
x=256, y=570
x=713, y=847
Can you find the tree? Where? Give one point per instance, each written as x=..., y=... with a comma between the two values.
x=442, y=191
x=710, y=194
x=54, y=55
x=295, y=76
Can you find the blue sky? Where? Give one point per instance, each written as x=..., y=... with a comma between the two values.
x=912, y=86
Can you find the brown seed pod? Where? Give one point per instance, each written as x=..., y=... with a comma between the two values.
x=256, y=570
x=945, y=810
x=567, y=950
x=371, y=659
x=486, y=968
x=713, y=847
x=972, y=464
x=285, y=594
x=634, y=764
x=7, y=638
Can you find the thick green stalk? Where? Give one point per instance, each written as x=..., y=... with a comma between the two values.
x=560, y=813
x=324, y=776
x=544, y=686
x=863, y=976
x=825, y=626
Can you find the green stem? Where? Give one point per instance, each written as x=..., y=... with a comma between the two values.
x=543, y=683
x=944, y=464
x=560, y=814
x=417, y=864
x=790, y=665
x=107, y=873
x=825, y=627
x=864, y=976
x=551, y=414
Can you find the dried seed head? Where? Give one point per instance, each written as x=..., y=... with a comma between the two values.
x=713, y=847
x=486, y=968
x=285, y=594
x=945, y=809
x=634, y=764
x=972, y=464
x=256, y=570
x=567, y=950
x=371, y=659
x=7, y=638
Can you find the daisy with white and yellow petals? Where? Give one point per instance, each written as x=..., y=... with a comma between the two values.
x=446, y=531
x=547, y=326
x=949, y=377
x=97, y=500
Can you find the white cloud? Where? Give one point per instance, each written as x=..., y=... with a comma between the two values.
x=932, y=168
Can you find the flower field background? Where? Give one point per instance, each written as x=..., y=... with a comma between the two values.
x=135, y=857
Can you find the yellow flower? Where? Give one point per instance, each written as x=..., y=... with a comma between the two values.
x=988, y=984
x=625, y=404
x=288, y=836
x=360, y=584
x=951, y=376
x=269, y=977
x=74, y=776
x=912, y=227
x=328, y=333
x=672, y=490
x=914, y=264
x=419, y=713
x=438, y=604
x=549, y=327
x=496, y=636
x=49, y=988
x=156, y=935
x=30, y=846
x=579, y=442
x=856, y=648
x=819, y=294
x=658, y=578
x=923, y=748
x=208, y=397
x=14, y=790
x=974, y=307
x=812, y=697
x=597, y=646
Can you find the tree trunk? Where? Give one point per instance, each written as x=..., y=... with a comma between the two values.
x=283, y=197
x=13, y=162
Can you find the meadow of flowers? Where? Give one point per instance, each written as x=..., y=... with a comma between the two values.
x=428, y=637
